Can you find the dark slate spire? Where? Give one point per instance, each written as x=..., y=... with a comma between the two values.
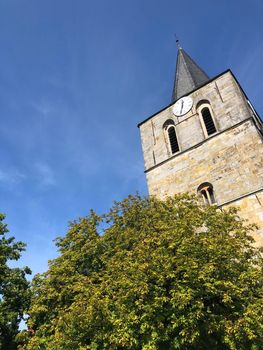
x=188, y=76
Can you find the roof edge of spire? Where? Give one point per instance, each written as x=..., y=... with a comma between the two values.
x=188, y=74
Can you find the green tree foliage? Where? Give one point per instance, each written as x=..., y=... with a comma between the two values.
x=14, y=289
x=163, y=275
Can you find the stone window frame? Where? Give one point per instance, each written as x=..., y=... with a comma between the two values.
x=168, y=124
x=207, y=193
x=199, y=107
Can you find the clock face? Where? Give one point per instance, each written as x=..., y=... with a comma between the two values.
x=182, y=106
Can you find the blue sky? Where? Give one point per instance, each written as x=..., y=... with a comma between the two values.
x=76, y=76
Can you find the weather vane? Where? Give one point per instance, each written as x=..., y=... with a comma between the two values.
x=177, y=42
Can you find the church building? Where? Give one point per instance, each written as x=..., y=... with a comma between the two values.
x=207, y=141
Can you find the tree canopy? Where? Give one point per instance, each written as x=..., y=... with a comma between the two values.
x=151, y=275
x=14, y=289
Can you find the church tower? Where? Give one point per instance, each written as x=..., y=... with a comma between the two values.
x=208, y=141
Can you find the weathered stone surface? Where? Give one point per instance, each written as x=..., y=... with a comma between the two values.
x=250, y=208
x=231, y=160
x=229, y=107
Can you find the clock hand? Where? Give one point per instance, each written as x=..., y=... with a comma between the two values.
x=182, y=106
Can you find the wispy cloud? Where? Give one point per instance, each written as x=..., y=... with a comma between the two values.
x=251, y=62
x=43, y=107
x=46, y=176
x=11, y=177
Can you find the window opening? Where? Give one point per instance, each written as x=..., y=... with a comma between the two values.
x=207, y=193
x=208, y=120
x=173, y=139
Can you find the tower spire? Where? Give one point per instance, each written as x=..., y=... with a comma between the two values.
x=188, y=75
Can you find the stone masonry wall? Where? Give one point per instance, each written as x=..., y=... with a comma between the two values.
x=229, y=107
x=231, y=160
x=251, y=209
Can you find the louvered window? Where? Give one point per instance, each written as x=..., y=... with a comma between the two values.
x=208, y=121
x=173, y=139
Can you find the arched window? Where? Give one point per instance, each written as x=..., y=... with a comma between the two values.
x=208, y=121
x=170, y=136
x=205, y=112
x=206, y=191
x=173, y=139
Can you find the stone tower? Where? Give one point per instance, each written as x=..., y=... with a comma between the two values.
x=208, y=141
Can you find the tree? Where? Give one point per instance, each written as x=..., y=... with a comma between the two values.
x=14, y=289
x=163, y=275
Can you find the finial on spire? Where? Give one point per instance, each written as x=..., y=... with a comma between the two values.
x=177, y=42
